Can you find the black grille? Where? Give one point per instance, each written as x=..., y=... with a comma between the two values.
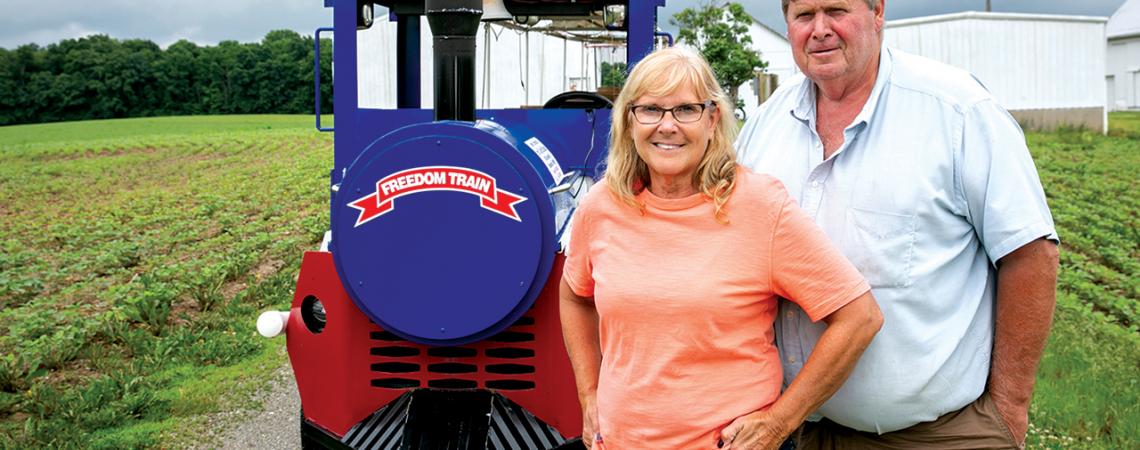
x=503, y=361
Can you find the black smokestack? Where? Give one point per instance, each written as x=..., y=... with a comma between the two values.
x=453, y=26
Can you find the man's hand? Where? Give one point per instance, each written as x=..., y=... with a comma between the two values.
x=756, y=431
x=1015, y=416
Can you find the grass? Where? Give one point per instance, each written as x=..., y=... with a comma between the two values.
x=136, y=256
x=137, y=253
x=119, y=129
x=1088, y=385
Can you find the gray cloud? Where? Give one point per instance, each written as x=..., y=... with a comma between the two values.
x=210, y=21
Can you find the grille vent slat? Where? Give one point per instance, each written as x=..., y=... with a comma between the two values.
x=510, y=353
x=452, y=352
x=396, y=367
x=395, y=383
x=509, y=369
x=453, y=368
x=395, y=352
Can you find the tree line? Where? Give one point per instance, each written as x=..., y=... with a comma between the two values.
x=98, y=77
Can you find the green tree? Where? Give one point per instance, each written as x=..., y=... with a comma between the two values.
x=180, y=80
x=613, y=74
x=284, y=65
x=720, y=33
x=98, y=77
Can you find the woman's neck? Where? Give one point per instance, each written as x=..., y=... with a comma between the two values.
x=672, y=187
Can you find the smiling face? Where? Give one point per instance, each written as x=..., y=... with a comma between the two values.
x=834, y=40
x=672, y=150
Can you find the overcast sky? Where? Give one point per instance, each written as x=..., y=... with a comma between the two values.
x=210, y=21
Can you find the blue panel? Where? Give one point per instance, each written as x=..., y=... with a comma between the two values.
x=642, y=25
x=423, y=248
x=567, y=132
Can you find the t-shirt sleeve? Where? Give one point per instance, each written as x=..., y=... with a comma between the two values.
x=807, y=269
x=999, y=184
x=578, y=269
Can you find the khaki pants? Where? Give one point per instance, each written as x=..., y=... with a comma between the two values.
x=976, y=426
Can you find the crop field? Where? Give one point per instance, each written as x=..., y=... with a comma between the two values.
x=1088, y=385
x=137, y=254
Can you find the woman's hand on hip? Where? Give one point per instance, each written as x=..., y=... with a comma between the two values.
x=589, y=421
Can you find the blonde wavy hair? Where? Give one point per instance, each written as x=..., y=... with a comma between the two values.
x=662, y=73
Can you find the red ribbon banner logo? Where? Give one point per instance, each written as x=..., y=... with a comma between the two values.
x=435, y=178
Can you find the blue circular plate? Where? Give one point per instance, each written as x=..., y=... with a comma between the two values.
x=441, y=233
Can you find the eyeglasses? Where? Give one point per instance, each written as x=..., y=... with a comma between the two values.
x=686, y=113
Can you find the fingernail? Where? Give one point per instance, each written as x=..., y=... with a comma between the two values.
x=719, y=443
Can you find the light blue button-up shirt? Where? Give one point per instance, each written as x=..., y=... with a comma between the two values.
x=932, y=185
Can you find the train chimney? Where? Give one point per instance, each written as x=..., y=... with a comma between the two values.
x=453, y=26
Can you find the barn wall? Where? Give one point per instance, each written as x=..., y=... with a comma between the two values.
x=1047, y=66
x=1123, y=73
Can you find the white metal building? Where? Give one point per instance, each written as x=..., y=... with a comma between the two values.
x=526, y=68
x=1045, y=69
x=1122, y=71
x=775, y=50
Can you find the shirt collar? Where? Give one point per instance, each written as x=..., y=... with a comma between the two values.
x=804, y=109
x=884, y=77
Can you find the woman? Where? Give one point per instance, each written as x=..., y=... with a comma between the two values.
x=676, y=260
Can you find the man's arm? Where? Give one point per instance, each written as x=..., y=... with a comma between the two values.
x=1026, y=295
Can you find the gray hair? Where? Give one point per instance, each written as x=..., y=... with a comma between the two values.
x=873, y=4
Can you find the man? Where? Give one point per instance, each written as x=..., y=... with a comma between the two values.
x=925, y=183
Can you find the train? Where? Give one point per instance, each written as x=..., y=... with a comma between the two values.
x=429, y=319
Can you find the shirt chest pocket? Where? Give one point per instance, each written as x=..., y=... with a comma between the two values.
x=881, y=245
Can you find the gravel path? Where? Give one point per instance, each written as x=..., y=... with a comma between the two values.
x=277, y=426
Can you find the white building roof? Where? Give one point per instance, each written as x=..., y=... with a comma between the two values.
x=1125, y=22
x=769, y=29
x=997, y=16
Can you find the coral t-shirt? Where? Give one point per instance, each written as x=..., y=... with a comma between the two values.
x=686, y=305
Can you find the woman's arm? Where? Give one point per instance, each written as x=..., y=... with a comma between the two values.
x=580, y=332
x=849, y=332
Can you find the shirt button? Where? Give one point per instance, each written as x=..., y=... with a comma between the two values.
x=815, y=184
x=790, y=314
x=791, y=360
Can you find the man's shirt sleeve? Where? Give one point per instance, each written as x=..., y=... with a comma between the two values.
x=998, y=182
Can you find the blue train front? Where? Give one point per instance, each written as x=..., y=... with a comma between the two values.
x=429, y=319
